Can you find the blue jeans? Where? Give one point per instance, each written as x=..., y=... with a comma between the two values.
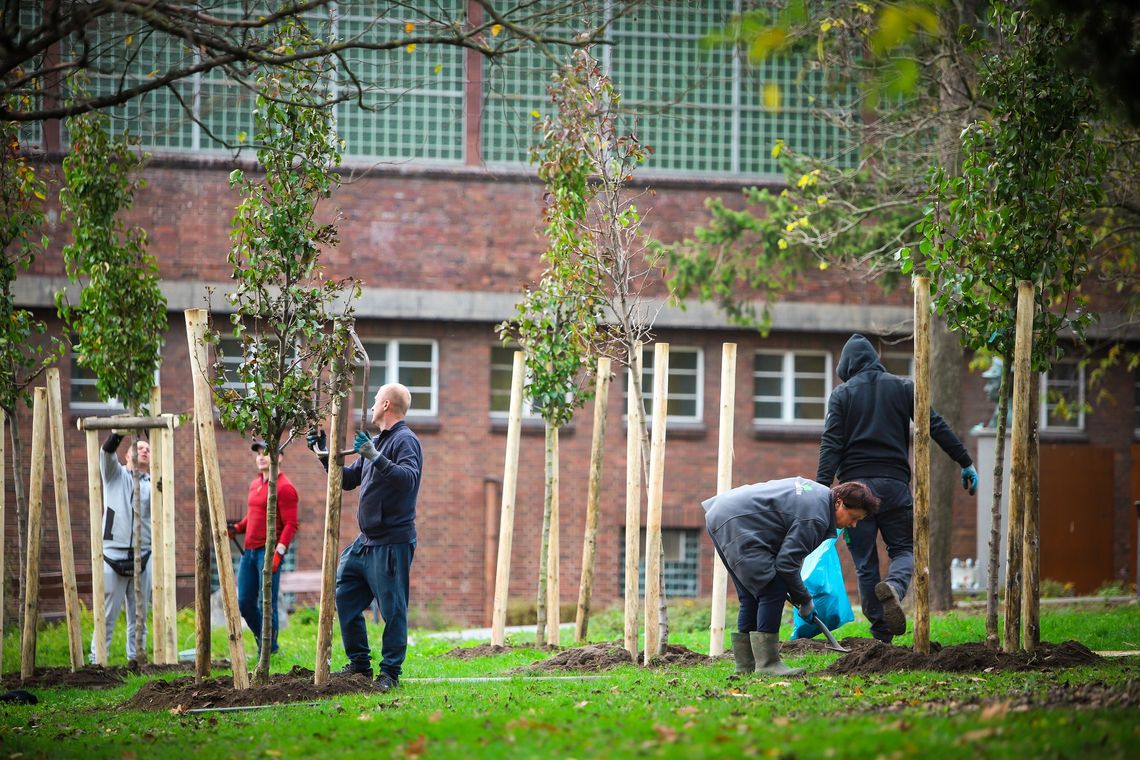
x=249, y=593
x=895, y=522
x=381, y=573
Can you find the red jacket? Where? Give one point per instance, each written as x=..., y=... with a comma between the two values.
x=253, y=524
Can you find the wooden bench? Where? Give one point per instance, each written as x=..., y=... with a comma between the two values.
x=300, y=582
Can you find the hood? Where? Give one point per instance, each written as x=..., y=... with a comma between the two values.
x=857, y=356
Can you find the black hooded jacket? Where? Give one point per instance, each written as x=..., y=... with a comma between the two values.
x=867, y=430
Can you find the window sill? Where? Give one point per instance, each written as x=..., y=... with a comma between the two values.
x=423, y=424
x=531, y=426
x=766, y=432
x=677, y=429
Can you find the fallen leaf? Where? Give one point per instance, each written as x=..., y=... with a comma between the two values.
x=416, y=747
x=781, y=721
x=978, y=735
x=666, y=733
x=178, y=710
x=436, y=716
x=582, y=704
x=995, y=710
x=781, y=684
x=687, y=710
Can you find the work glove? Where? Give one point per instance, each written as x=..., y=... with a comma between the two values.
x=970, y=479
x=111, y=443
x=806, y=610
x=362, y=445
x=277, y=561
x=316, y=439
x=232, y=528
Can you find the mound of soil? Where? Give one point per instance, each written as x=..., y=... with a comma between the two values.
x=183, y=694
x=797, y=647
x=482, y=650
x=609, y=654
x=94, y=676
x=961, y=658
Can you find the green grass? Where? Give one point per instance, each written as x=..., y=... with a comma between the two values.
x=699, y=711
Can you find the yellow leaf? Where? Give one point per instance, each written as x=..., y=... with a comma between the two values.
x=777, y=149
x=410, y=47
x=771, y=96
x=821, y=200
x=825, y=25
x=823, y=265
x=409, y=27
x=438, y=68
x=536, y=114
x=130, y=38
x=496, y=30
x=782, y=244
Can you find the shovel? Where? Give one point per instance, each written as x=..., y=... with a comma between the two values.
x=831, y=641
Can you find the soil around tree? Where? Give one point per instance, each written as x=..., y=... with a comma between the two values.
x=94, y=676
x=877, y=657
x=606, y=655
x=182, y=694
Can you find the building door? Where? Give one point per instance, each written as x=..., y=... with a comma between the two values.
x=1077, y=515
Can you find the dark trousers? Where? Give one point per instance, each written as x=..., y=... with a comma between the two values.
x=249, y=593
x=381, y=573
x=760, y=612
x=895, y=522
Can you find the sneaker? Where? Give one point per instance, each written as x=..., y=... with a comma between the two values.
x=385, y=682
x=352, y=669
x=893, y=614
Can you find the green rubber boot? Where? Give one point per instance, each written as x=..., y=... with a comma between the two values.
x=742, y=653
x=766, y=650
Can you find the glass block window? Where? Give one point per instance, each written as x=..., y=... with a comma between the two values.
x=790, y=387
x=502, y=367
x=685, y=397
x=680, y=563
x=899, y=363
x=414, y=108
x=1063, y=396
x=413, y=363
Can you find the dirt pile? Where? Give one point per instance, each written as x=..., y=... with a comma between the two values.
x=93, y=676
x=482, y=650
x=961, y=658
x=609, y=654
x=183, y=694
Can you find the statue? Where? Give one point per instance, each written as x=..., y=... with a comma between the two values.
x=992, y=389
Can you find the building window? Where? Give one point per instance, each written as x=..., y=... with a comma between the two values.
x=684, y=400
x=681, y=550
x=1063, y=396
x=899, y=363
x=413, y=363
x=790, y=387
x=231, y=353
x=84, y=394
x=502, y=367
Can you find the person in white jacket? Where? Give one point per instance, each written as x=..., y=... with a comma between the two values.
x=118, y=535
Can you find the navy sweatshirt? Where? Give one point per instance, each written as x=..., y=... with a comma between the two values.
x=389, y=487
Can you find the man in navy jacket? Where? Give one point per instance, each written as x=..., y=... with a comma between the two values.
x=866, y=439
x=378, y=563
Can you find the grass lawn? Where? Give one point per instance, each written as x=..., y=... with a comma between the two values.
x=673, y=711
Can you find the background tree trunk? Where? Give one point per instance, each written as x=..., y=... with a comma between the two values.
x=21, y=514
x=945, y=369
x=993, y=640
x=261, y=673
x=540, y=605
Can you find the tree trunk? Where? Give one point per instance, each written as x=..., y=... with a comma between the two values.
x=540, y=606
x=1031, y=557
x=136, y=542
x=261, y=673
x=201, y=569
x=992, y=638
x=945, y=398
x=590, y=536
x=21, y=512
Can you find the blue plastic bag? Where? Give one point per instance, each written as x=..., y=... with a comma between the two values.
x=823, y=576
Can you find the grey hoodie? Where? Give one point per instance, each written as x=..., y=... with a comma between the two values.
x=118, y=506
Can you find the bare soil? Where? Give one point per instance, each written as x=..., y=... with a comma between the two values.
x=183, y=694
x=94, y=676
x=609, y=654
x=877, y=657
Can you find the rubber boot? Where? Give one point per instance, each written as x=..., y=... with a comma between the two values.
x=742, y=653
x=766, y=650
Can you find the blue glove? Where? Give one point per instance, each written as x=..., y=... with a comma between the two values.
x=317, y=440
x=970, y=479
x=806, y=610
x=362, y=445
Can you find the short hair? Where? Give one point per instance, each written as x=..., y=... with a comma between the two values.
x=400, y=397
x=857, y=495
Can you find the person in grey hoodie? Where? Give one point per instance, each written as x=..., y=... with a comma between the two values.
x=866, y=439
x=118, y=533
x=763, y=532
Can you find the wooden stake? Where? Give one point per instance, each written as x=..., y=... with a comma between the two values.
x=634, y=414
x=3, y=501
x=922, y=465
x=553, y=581
x=124, y=422
x=169, y=568
x=157, y=580
x=34, y=544
x=196, y=324
x=723, y=483
x=593, y=490
x=1019, y=486
x=655, y=497
x=334, y=494
x=491, y=500
x=507, y=510
x=201, y=568
x=95, y=511
x=63, y=522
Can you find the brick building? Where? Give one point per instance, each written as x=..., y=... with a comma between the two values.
x=444, y=232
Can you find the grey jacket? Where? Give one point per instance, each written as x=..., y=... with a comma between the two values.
x=765, y=529
x=118, y=506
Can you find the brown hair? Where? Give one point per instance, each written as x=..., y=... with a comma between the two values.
x=856, y=495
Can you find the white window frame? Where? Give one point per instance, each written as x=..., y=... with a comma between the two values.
x=81, y=376
x=391, y=370
x=787, y=396
x=528, y=410
x=1077, y=423
x=900, y=356
x=232, y=354
x=647, y=356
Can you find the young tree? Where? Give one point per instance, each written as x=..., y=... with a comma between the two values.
x=25, y=352
x=120, y=319
x=1032, y=174
x=292, y=322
